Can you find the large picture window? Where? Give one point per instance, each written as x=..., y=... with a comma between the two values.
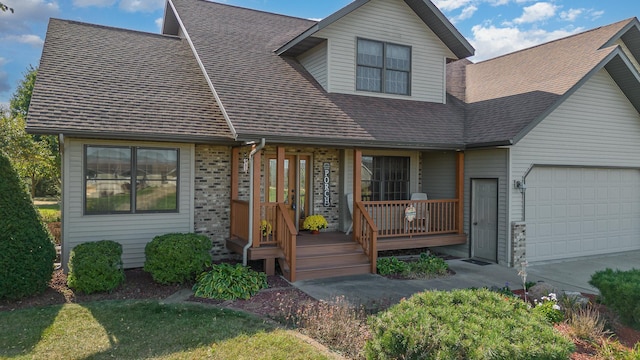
x=385, y=178
x=383, y=67
x=110, y=172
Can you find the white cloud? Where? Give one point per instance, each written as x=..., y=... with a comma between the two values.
x=448, y=5
x=159, y=23
x=33, y=40
x=141, y=5
x=596, y=14
x=465, y=14
x=571, y=14
x=97, y=3
x=25, y=13
x=491, y=41
x=536, y=12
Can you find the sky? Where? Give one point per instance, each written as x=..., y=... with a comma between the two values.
x=493, y=27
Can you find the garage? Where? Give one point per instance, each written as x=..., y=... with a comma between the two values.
x=574, y=211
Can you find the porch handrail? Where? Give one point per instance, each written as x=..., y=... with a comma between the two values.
x=366, y=233
x=431, y=217
x=286, y=238
x=240, y=219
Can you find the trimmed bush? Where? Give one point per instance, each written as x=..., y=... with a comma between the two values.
x=229, y=282
x=620, y=290
x=464, y=324
x=391, y=266
x=26, y=248
x=177, y=258
x=95, y=267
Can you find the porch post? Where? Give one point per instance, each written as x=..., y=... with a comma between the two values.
x=257, y=203
x=235, y=160
x=357, y=190
x=280, y=175
x=460, y=191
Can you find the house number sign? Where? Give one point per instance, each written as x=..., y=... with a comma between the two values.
x=326, y=182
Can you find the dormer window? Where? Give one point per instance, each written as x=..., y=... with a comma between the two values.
x=383, y=67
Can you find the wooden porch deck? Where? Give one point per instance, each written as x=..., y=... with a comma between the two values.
x=332, y=253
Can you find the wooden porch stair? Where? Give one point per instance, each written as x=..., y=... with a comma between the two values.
x=325, y=259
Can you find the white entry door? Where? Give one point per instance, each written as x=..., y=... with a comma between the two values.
x=484, y=218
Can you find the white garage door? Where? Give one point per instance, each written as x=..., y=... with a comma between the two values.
x=572, y=212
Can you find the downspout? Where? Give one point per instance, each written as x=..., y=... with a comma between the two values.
x=251, y=201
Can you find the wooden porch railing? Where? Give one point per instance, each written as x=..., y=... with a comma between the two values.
x=366, y=233
x=240, y=219
x=432, y=217
x=286, y=237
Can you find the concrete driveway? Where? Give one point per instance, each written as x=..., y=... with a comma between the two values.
x=570, y=275
x=574, y=275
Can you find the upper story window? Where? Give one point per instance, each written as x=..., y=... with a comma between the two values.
x=110, y=172
x=383, y=67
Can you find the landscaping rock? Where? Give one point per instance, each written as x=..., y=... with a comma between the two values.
x=541, y=289
x=576, y=298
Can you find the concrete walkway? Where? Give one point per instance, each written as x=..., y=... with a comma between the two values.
x=570, y=275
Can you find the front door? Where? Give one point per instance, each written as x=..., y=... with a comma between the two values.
x=484, y=218
x=296, y=184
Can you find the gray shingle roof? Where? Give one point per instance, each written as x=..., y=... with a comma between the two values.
x=271, y=96
x=100, y=81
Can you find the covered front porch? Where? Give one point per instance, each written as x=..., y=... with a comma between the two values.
x=376, y=225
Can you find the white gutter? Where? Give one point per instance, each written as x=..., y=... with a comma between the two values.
x=251, y=201
x=204, y=71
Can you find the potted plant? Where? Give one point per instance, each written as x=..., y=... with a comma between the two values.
x=315, y=223
x=265, y=228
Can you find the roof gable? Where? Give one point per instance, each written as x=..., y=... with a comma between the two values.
x=509, y=95
x=428, y=13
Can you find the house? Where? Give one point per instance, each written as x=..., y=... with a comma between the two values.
x=238, y=124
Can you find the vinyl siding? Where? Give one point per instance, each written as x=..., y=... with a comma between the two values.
x=315, y=61
x=489, y=164
x=596, y=126
x=439, y=174
x=133, y=231
x=390, y=21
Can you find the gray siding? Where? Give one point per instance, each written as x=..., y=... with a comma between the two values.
x=596, y=126
x=439, y=174
x=315, y=61
x=133, y=231
x=489, y=164
x=391, y=21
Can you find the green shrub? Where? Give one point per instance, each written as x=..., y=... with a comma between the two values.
x=550, y=310
x=464, y=324
x=229, y=282
x=49, y=215
x=428, y=265
x=26, y=248
x=621, y=291
x=177, y=258
x=95, y=266
x=391, y=265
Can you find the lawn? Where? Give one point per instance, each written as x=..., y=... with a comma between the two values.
x=144, y=329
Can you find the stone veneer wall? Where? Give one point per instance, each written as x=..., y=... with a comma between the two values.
x=518, y=243
x=212, y=196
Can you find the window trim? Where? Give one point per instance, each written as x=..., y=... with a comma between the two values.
x=132, y=195
x=384, y=68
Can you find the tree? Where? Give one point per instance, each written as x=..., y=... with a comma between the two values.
x=35, y=157
x=4, y=7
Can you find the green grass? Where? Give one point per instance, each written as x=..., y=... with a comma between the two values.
x=54, y=207
x=139, y=329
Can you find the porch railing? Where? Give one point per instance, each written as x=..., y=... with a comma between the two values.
x=286, y=237
x=240, y=219
x=268, y=225
x=366, y=233
x=431, y=217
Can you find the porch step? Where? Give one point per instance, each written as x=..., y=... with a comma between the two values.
x=330, y=260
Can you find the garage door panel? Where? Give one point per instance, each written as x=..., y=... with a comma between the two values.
x=574, y=212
